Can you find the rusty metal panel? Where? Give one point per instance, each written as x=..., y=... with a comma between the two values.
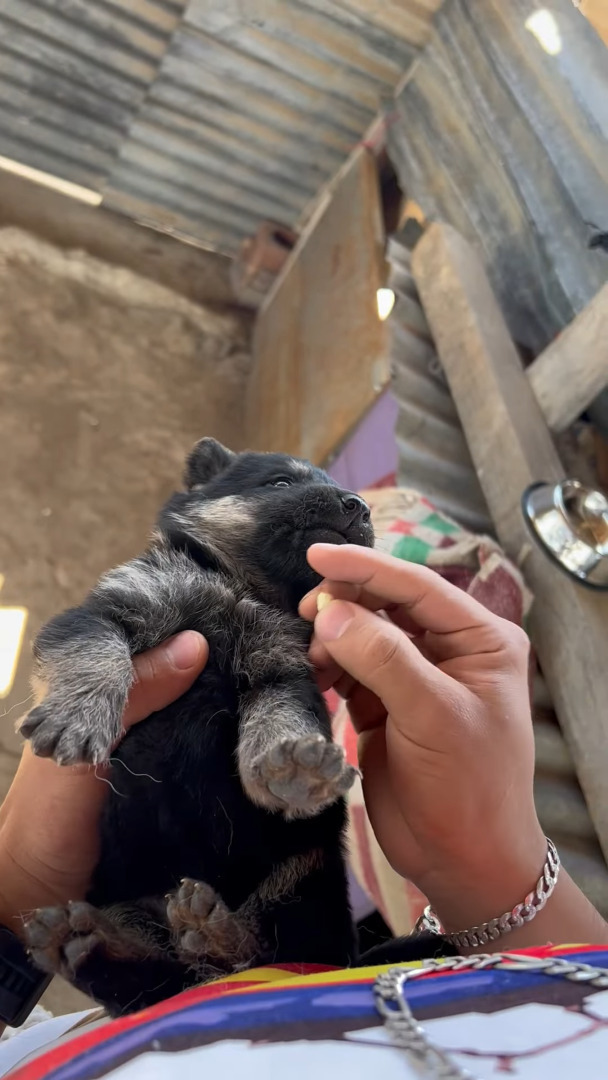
x=255, y=106
x=72, y=75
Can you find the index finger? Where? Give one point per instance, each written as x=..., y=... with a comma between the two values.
x=428, y=600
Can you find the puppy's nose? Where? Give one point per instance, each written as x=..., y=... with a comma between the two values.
x=356, y=508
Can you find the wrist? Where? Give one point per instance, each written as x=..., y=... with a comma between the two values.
x=477, y=890
x=15, y=893
x=10, y=911
x=21, y=890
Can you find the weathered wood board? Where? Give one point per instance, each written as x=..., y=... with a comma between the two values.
x=571, y=371
x=511, y=448
x=320, y=352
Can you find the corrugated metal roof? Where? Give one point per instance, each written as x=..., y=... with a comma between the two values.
x=200, y=117
x=255, y=106
x=73, y=73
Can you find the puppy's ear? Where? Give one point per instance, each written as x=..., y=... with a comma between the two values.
x=207, y=460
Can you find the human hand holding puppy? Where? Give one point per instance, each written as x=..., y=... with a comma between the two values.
x=437, y=688
x=49, y=840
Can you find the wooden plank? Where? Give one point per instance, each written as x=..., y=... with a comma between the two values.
x=321, y=355
x=511, y=448
x=573, y=370
x=201, y=276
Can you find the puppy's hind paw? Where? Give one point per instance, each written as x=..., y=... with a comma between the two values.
x=60, y=939
x=299, y=776
x=204, y=928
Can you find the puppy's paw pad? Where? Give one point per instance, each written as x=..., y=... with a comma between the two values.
x=192, y=904
x=205, y=929
x=72, y=732
x=60, y=938
x=300, y=776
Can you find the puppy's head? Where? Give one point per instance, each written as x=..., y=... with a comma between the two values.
x=256, y=515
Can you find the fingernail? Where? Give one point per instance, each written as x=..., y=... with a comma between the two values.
x=333, y=620
x=184, y=651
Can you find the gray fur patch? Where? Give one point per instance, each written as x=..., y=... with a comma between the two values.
x=300, y=468
x=86, y=665
x=219, y=524
x=284, y=763
x=86, y=684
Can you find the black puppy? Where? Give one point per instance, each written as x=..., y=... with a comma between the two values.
x=221, y=843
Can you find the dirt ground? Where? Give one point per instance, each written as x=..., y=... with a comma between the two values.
x=106, y=380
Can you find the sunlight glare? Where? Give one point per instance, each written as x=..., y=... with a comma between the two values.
x=385, y=299
x=543, y=25
x=12, y=630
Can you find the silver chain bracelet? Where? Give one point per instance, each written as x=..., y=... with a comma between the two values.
x=511, y=920
x=407, y=1033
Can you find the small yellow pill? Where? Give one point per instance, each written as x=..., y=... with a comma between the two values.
x=323, y=599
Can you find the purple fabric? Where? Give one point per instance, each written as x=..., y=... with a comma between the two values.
x=370, y=453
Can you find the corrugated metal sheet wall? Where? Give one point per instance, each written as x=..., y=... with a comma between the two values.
x=73, y=74
x=502, y=130
x=433, y=453
x=200, y=117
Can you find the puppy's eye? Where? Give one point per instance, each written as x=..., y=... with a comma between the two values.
x=281, y=481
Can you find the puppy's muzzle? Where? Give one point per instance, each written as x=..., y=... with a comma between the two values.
x=355, y=509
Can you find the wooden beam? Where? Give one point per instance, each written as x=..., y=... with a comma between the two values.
x=320, y=352
x=200, y=275
x=573, y=370
x=511, y=448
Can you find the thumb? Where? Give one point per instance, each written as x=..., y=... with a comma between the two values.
x=164, y=673
x=376, y=653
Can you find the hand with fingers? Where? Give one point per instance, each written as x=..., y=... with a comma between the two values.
x=49, y=841
x=438, y=691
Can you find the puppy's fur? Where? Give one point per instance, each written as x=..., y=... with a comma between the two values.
x=221, y=837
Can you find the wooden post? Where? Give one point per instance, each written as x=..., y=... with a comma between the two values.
x=511, y=447
x=571, y=371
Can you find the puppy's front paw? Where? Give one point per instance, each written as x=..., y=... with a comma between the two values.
x=72, y=731
x=299, y=776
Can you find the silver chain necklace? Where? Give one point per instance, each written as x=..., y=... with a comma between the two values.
x=407, y=1033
